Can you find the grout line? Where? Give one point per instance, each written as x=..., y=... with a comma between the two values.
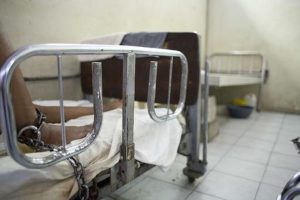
x=236, y=176
x=181, y=186
x=214, y=196
x=222, y=157
x=268, y=162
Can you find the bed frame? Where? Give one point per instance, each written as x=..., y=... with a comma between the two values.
x=188, y=44
x=128, y=82
x=238, y=68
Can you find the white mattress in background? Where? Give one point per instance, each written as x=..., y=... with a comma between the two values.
x=155, y=143
x=222, y=80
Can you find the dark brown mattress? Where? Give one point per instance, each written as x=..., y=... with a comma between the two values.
x=187, y=43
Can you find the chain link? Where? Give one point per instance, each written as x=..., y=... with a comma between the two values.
x=36, y=143
x=83, y=189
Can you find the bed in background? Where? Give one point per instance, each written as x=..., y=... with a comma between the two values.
x=237, y=68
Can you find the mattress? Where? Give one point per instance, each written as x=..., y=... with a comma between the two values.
x=155, y=143
x=222, y=80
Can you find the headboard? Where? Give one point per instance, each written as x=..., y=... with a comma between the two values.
x=187, y=43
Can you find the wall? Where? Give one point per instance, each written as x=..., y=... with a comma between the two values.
x=41, y=21
x=271, y=27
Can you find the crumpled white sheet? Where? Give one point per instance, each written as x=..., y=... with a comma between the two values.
x=155, y=143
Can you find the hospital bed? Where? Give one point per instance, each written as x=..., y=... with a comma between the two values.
x=237, y=68
x=50, y=174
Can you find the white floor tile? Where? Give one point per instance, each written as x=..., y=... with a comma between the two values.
x=267, y=128
x=200, y=196
x=249, y=154
x=268, y=192
x=212, y=161
x=217, y=149
x=285, y=161
x=175, y=176
x=129, y=185
x=237, y=160
x=285, y=135
x=277, y=176
x=152, y=189
x=228, y=187
x=292, y=118
x=241, y=168
x=231, y=133
x=285, y=147
x=234, y=128
x=254, y=143
x=266, y=136
x=291, y=126
x=226, y=139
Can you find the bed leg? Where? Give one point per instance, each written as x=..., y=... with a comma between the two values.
x=258, y=103
x=195, y=167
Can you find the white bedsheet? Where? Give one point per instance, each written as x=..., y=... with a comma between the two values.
x=155, y=143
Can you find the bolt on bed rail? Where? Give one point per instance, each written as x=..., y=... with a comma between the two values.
x=65, y=150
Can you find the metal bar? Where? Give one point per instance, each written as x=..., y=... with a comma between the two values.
x=205, y=113
x=294, y=181
x=127, y=147
x=291, y=193
x=97, y=97
x=89, y=49
x=128, y=97
x=260, y=89
x=169, y=86
x=61, y=104
x=152, y=89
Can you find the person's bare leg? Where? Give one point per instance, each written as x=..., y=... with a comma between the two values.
x=24, y=110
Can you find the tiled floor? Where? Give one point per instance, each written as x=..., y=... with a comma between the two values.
x=251, y=159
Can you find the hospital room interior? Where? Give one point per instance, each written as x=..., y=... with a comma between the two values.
x=150, y=100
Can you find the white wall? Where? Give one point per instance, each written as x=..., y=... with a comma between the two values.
x=42, y=21
x=271, y=27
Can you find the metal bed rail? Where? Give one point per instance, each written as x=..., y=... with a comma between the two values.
x=238, y=62
x=65, y=151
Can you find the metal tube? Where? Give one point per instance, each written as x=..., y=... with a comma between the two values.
x=291, y=193
x=128, y=97
x=97, y=97
x=205, y=112
x=127, y=146
x=169, y=86
x=61, y=104
x=152, y=89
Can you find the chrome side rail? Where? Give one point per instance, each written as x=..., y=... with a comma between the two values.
x=58, y=50
x=152, y=90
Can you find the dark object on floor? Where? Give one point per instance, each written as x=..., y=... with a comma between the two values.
x=239, y=111
x=296, y=143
